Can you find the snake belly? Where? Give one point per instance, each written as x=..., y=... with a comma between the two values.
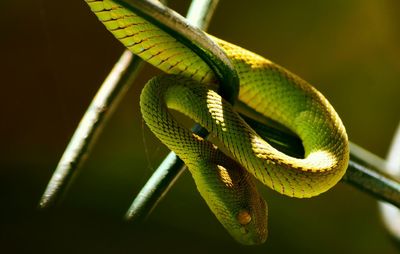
x=227, y=184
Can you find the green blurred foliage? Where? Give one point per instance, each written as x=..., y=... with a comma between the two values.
x=54, y=57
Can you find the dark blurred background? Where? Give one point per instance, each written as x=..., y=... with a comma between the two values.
x=54, y=56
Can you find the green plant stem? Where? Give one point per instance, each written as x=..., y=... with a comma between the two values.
x=110, y=93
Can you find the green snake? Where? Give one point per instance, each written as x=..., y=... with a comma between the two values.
x=226, y=182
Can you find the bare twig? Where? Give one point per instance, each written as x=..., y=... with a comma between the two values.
x=105, y=101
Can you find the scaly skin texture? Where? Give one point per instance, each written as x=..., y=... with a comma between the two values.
x=267, y=88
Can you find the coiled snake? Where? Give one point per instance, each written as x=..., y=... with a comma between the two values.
x=226, y=182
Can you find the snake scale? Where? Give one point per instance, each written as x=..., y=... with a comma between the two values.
x=227, y=182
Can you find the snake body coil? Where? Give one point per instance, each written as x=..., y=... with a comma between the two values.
x=265, y=87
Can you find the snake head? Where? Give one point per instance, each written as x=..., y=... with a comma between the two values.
x=249, y=226
x=231, y=193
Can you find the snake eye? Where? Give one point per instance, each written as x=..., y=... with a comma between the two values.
x=243, y=217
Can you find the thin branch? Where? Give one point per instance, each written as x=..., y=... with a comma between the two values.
x=373, y=181
x=103, y=104
x=155, y=188
x=105, y=101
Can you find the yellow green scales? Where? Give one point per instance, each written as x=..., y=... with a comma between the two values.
x=226, y=184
